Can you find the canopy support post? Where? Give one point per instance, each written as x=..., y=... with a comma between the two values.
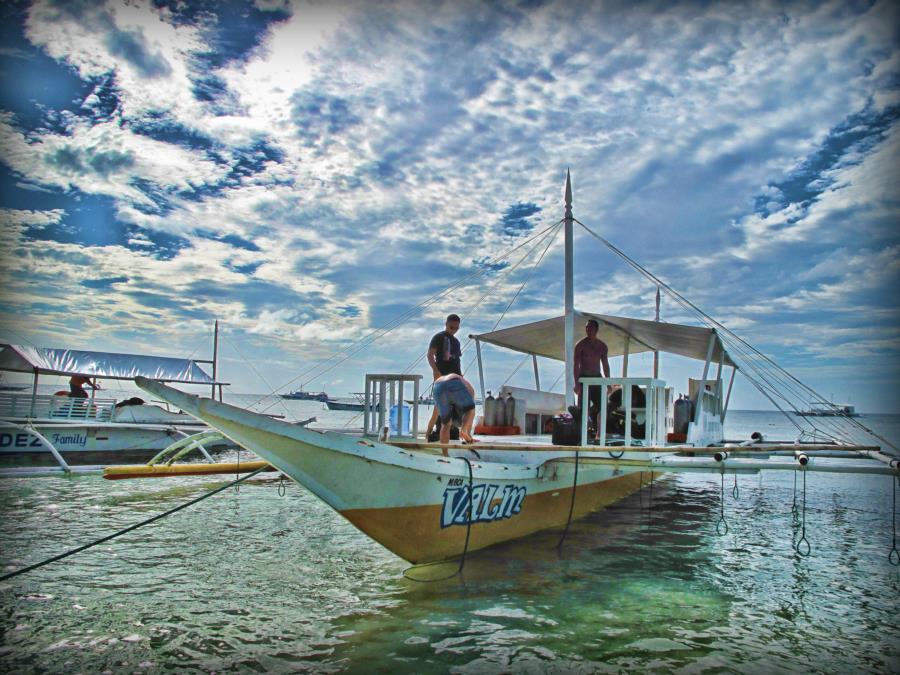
x=537, y=377
x=569, y=297
x=34, y=392
x=719, y=382
x=656, y=351
x=480, y=367
x=625, y=356
x=709, y=353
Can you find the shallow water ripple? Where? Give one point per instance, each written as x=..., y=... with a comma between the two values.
x=252, y=582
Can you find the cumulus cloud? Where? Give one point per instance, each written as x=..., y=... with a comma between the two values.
x=347, y=154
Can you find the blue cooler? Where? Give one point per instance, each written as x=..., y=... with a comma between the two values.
x=399, y=427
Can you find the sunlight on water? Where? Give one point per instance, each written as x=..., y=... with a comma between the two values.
x=248, y=581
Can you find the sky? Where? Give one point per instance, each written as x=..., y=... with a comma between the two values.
x=311, y=173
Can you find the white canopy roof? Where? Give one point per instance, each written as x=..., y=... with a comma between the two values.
x=547, y=337
x=18, y=358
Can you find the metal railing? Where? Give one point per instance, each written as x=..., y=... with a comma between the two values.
x=43, y=406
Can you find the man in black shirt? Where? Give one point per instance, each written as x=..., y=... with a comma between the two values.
x=444, y=357
x=444, y=351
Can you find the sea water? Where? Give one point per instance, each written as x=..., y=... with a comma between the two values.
x=253, y=581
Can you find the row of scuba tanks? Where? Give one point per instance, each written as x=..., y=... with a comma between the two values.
x=500, y=411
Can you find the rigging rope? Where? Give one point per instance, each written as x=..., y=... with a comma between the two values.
x=354, y=348
x=534, y=267
x=755, y=359
x=469, y=310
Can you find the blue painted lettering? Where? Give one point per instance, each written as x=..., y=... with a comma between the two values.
x=486, y=505
x=69, y=439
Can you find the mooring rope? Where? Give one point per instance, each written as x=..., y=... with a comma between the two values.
x=462, y=559
x=795, y=513
x=130, y=528
x=722, y=522
x=571, y=505
x=894, y=555
x=803, y=540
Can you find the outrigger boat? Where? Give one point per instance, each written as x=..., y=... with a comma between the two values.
x=36, y=427
x=355, y=404
x=428, y=502
x=300, y=395
x=829, y=410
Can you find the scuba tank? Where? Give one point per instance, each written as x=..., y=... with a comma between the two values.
x=683, y=414
x=510, y=410
x=490, y=410
x=500, y=420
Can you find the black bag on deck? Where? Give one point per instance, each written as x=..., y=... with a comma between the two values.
x=566, y=431
x=436, y=434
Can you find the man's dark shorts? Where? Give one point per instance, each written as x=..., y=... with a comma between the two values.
x=449, y=395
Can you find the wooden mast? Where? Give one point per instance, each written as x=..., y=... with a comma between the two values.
x=570, y=297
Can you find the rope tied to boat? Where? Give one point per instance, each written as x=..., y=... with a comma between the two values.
x=281, y=486
x=722, y=524
x=571, y=505
x=894, y=555
x=795, y=512
x=128, y=529
x=803, y=541
x=462, y=559
x=734, y=491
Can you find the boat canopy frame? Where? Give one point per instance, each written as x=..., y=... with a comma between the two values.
x=622, y=335
x=106, y=365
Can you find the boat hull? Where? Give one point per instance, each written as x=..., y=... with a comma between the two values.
x=418, y=503
x=90, y=442
x=346, y=405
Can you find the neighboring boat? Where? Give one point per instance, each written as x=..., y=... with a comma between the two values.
x=829, y=410
x=355, y=404
x=94, y=429
x=301, y=395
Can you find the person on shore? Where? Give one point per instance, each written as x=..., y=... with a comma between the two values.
x=76, y=386
x=591, y=360
x=454, y=400
x=444, y=357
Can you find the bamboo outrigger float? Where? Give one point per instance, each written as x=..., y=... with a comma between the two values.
x=430, y=502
